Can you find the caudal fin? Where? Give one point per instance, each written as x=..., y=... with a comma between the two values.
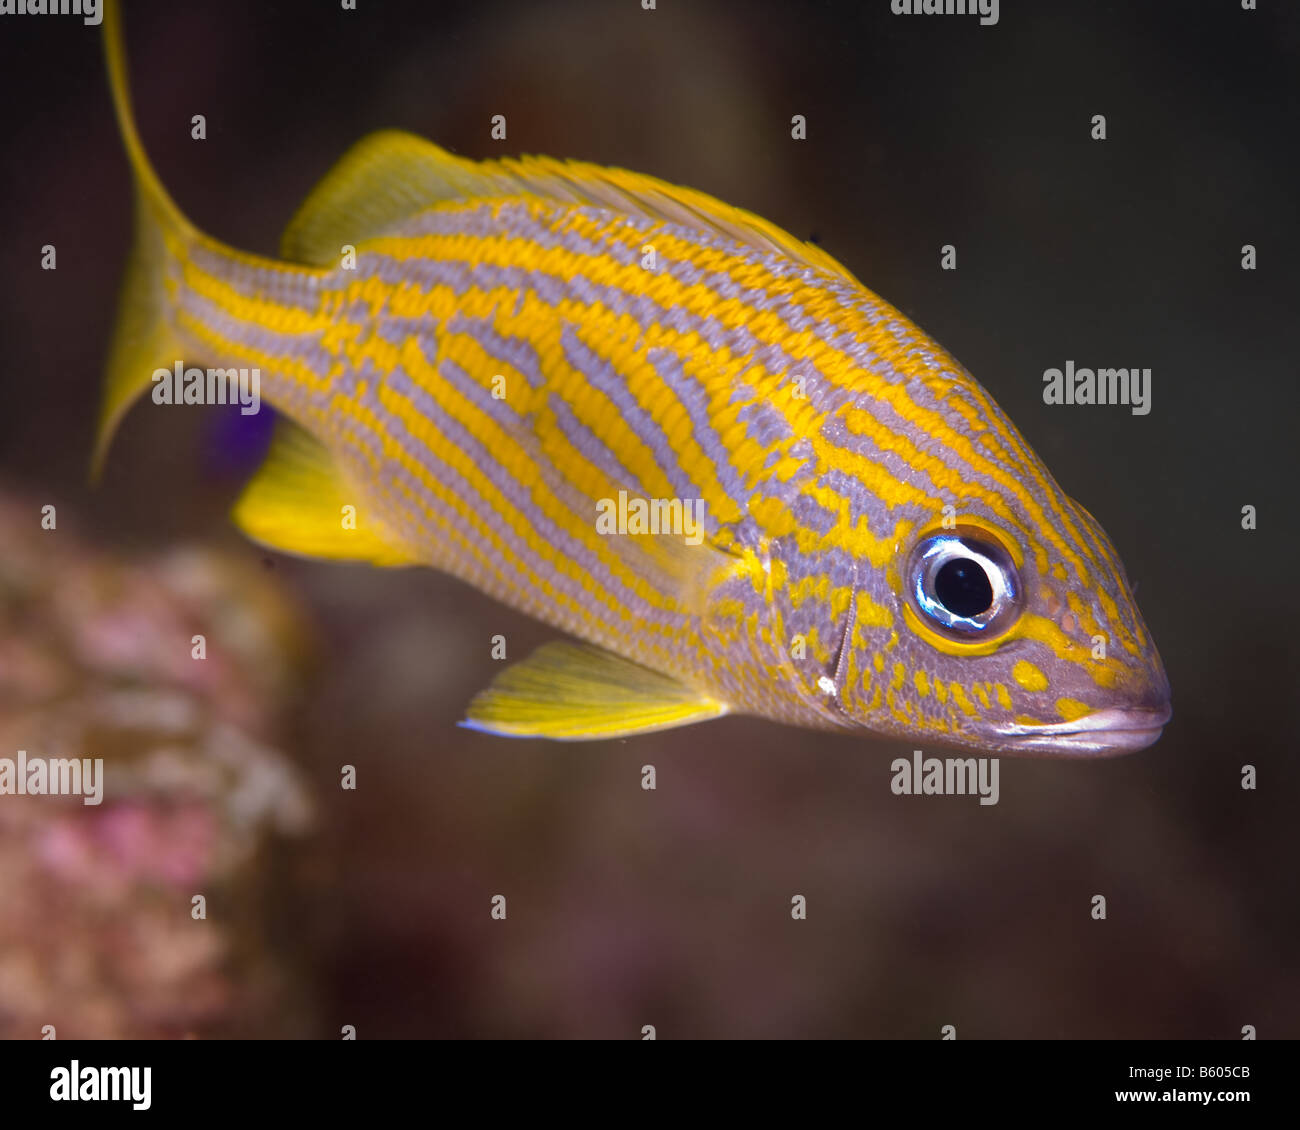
x=144, y=338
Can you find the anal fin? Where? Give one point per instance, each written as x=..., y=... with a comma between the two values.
x=296, y=504
x=575, y=692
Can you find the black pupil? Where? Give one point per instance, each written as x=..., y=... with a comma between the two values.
x=963, y=588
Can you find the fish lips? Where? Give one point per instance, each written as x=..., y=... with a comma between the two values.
x=1105, y=733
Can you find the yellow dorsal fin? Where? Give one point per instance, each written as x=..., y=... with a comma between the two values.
x=383, y=179
x=389, y=176
x=296, y=503
x=576, y=692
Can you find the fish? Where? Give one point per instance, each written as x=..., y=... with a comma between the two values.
x=735, y=479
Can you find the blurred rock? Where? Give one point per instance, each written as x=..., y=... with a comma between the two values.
x=96, y=932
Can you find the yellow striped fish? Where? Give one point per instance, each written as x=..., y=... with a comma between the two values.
x=499, y=369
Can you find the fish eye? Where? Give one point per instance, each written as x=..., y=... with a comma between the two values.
x=965, y=584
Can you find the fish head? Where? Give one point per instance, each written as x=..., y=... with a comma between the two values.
x=1043, y=649
x=966, y=600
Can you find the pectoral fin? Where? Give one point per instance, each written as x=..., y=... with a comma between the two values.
x=576, y=692
x=300, y=502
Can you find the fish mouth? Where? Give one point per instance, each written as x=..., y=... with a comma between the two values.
x=1105, y=733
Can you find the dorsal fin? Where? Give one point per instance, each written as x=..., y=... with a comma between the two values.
x=384, y=178
x=389, y=176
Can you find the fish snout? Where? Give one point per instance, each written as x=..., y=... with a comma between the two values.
x=1123, y=722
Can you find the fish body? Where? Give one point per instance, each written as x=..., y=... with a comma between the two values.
x=474, y=360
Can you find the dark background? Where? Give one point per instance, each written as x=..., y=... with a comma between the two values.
x=672, y=907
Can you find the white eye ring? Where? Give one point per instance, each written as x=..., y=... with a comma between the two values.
x=964, y=583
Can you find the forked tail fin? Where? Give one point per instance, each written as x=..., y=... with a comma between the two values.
x=144, y=338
